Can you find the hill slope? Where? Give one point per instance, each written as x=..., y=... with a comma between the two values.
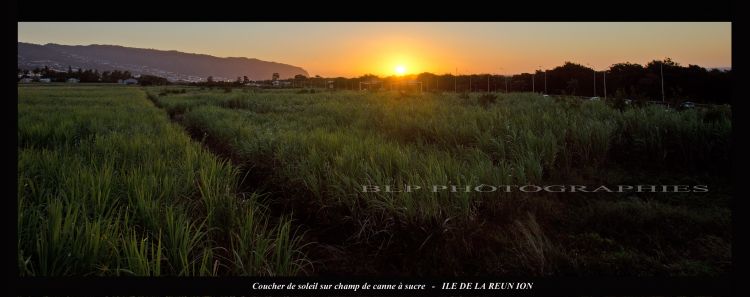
x=173, y=65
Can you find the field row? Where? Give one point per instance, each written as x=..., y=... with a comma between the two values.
x=331, y=144
x=313, y=152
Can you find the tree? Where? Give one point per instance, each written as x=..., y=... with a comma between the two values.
x=105, y=76
x=275, y=76
x=572, y=86
x=210, y=79
x=245, y=80
x=148, y=80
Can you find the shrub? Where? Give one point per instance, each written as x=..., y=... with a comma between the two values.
x=487, y=99
x=618, y=103
x=717, y=114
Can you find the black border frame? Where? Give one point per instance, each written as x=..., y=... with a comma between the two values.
x=585, y=10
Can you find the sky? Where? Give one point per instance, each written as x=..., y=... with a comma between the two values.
x=354, y=49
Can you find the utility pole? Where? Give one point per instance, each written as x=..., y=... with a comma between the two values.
x=533, y=90
x=661, y=71
x=469, y=83
x=488, y=83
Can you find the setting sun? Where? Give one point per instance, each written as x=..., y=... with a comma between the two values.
x=400, y=69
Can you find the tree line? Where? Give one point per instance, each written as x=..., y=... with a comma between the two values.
x=623, y=81
x=88, y=75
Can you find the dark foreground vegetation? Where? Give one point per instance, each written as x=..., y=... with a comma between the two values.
x=108, y=185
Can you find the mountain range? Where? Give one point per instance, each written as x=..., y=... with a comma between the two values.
x=173, y=65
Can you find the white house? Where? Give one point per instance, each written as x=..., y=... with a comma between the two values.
x=73, y=80
x=45, y=80
x=26, y=80
x=130, y=81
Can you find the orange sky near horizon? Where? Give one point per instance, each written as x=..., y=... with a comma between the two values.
x=355, y=49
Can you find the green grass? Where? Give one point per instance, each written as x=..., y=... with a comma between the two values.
x=108, y=186
x=330, y=144
x=319, y=149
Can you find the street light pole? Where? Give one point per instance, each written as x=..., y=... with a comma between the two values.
x=661, y=71
x=592, y=68
x=505, y=77
x=605, y=84
x=545, y=78
x=594, y=82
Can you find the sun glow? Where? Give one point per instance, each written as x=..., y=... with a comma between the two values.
x=400, y=69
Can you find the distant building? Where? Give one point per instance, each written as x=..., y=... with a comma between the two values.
x=73, y=80
x=26, y=80
x=45, y=80
x=130, y=81
x=370, y=84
